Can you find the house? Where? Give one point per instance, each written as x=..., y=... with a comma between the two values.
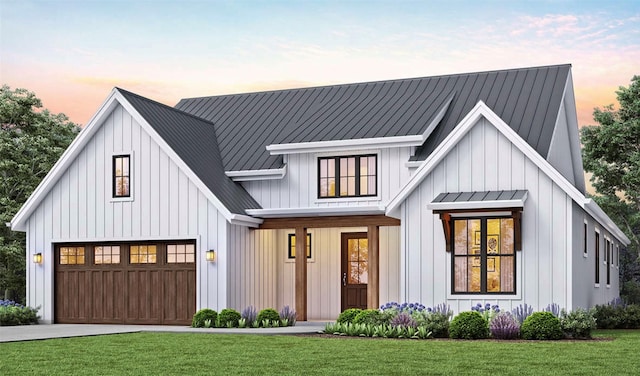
x=459, y=189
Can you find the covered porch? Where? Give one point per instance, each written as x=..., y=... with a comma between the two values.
x=354, y=268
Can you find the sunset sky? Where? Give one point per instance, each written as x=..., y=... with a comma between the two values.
x=72, y=53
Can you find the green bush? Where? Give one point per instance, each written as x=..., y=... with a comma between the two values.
x=348, y=315
x=269, y=314
x=541, y=325
x=205, y=314
x=228, y=318
x=617, y=316
x=469, y=325
x=578, y=323
x=12, y=313
x=435, y=322
x=371, y=317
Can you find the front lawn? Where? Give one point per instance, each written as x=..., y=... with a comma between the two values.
x=222, y=354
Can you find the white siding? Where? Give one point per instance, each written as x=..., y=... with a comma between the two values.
x=261, y=274
x=165, y=205
x=299, y=187
x=585, y=292
x=485, y=160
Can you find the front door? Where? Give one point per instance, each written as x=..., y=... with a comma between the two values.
x=355, y=270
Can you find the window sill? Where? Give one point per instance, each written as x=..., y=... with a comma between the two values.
x=347, y=199
x=585, y=255
x=121, y=199
x=293, y=261
x=596, y=285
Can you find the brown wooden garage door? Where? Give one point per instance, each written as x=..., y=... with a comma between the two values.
x=125, y=283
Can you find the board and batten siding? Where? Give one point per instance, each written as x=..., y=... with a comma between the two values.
x=165, y=205
x=485, y=160
x=299, y=187
x=261, y=275
x=585, y=291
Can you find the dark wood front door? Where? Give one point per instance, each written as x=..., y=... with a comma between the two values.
x=125, y=283
x=355, y=270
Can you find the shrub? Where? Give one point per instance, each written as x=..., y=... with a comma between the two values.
x=370, y=316
x=632, y=316
x=631, y=292
x=609, y=317
x=578, y=323
x=435, y=322
x=228, y=318
x=469, y=325
x=504, y=326
x=403, y=319
x=12, y=313
x=249, y=315
x=348, y=315
x=541, y=325
x=202, y=315
x=521, y=312
x=268, y=314
x=287, y=315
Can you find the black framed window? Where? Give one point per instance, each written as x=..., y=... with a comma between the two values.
x=597, y=257
x=121, y=176
x=292, y=246
x=484, y=257
x=584, y=241
x=607, y=260
x=348, y=176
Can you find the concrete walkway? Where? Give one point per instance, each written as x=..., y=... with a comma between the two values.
x=36, y=332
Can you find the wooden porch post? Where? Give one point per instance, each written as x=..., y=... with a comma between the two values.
x=373, y=288
x=301, y=274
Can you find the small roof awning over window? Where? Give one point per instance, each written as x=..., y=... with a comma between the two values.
x=478, y=200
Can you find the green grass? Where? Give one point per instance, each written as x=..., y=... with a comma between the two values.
x=222, y=354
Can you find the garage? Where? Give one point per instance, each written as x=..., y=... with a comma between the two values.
x=143, y=282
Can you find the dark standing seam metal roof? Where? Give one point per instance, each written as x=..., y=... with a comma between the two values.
x=527, y=99
x=480, y=196
x=194, y=140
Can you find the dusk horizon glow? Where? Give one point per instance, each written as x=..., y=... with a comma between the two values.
x=72, y=53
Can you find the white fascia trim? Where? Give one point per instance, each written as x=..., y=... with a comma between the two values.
x=469, y=205
x=315, y=211
x=340, y=145
x=245, y=220
x=413, y=164
x=592, y=208
x=18, y=223
x=264, y=174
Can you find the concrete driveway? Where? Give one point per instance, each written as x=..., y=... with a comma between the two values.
x=47, y=331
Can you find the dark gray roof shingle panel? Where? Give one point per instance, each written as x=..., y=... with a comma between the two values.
x=527, y=99
x=480, y=196
x=194, y=140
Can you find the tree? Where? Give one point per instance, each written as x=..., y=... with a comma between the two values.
x=31, y=141
x=611, y=151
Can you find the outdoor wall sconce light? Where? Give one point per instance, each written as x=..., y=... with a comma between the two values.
x=37, y=258
x=211, y=255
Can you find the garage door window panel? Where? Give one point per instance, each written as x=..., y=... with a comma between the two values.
x=71, y=256
x=143, y=254
x=105, y=255
x=181, y=253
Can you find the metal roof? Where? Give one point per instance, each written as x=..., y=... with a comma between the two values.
x=194, y=140
x=527, y=99
x=480, y=196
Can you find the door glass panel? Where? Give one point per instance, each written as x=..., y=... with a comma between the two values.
x=358, y=265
